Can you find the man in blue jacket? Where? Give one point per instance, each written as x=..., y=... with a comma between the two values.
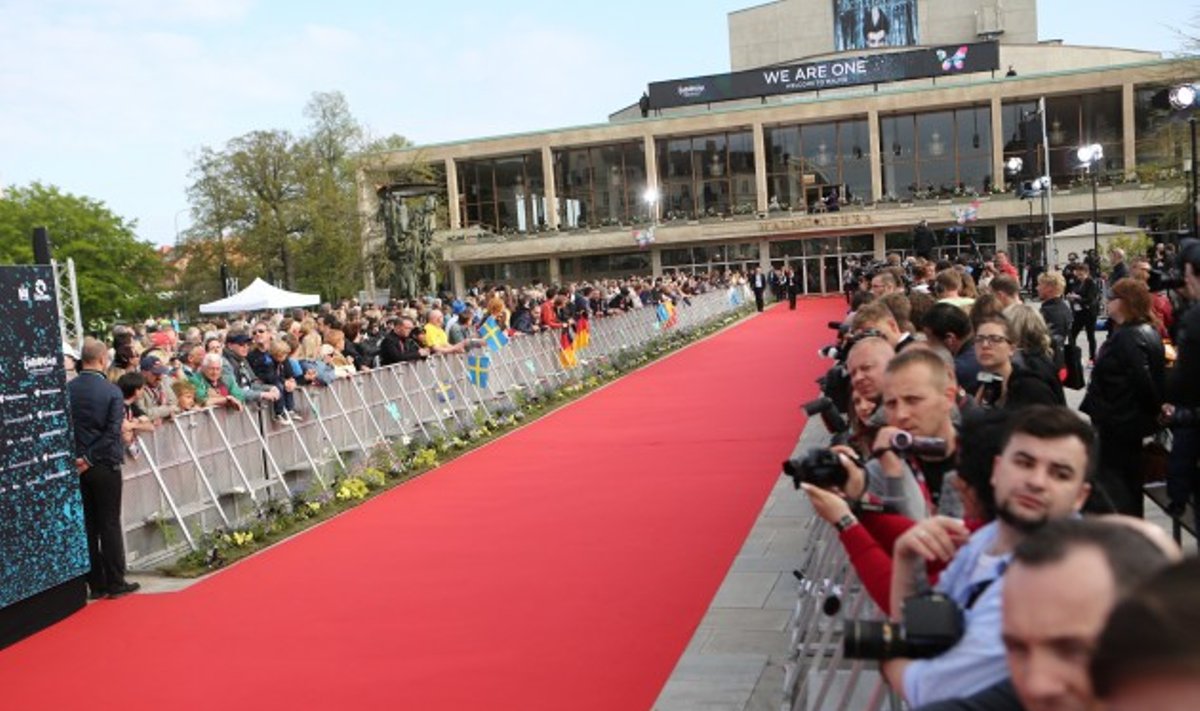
x=97, y=411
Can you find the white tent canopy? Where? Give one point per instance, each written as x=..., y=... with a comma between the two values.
x=1081, y=238
x=259, y=296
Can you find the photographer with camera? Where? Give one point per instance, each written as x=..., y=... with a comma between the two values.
x=1041, y=475
x=920, y=397
x=869, y=535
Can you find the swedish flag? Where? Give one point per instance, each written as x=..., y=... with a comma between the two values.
x=477, y=369
x=493, y=334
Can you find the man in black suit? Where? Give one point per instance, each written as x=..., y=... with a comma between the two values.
x=791, y=286
x=97, y=413
x=758, y=283
x=400, y=344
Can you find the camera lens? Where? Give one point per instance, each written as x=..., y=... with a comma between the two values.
x=869, y=640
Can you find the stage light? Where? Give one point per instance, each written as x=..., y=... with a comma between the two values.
x=650, y=196
x=1014, y=165
x=1182, y=96
x=1090, y=154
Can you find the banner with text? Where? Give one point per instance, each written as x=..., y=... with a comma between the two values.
x=42, y=541
x=828, y=74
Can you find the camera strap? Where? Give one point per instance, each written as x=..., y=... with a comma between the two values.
x=977, y=590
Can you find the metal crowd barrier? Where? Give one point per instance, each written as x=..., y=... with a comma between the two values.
x=217, y=468
x=817, y=676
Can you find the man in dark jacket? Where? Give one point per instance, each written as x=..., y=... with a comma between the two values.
x=1056, y=311
x=400, y=345
x=1183, y=397
x=97, y=412
x=924, y=241
x=1084, y=300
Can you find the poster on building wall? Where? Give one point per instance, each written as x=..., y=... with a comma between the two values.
x=860, y=24
x=42, y=540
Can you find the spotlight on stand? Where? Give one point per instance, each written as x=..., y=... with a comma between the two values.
x=1090, y=157
x=1182, y=96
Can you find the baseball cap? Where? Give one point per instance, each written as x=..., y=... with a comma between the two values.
x=238, y=338
x=152, y=364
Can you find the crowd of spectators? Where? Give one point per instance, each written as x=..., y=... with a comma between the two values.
x=163, y=370
x=1025, y=513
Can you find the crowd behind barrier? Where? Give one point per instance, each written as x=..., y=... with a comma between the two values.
x=952, y=457
x=216, y=466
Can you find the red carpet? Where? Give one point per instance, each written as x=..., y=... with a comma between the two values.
x=564, y=566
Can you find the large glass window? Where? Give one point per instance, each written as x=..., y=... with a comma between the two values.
x=1161, y=136
x=707, y=176
x=706, y=258
x=937, y=154
x=1073, y=121
x=508, y=272
x=605, y=266
x=503, y=194
x=807, y=163
x=601, y=186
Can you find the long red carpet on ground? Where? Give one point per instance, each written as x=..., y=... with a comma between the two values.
x=564, y=566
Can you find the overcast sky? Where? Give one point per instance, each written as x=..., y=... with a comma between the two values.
x=112, y=98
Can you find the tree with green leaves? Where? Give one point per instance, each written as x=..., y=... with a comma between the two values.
x=118, y=277
x=283, y=207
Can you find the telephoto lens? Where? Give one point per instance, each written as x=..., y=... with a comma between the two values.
x=928, y=446
x=932, y=624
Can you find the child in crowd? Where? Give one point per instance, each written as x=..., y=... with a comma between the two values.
x=185, y=395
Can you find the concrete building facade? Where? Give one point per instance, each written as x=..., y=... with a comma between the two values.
x=812, y=178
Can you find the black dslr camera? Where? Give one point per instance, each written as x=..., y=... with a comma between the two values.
x=932, y=624
x=820, y=467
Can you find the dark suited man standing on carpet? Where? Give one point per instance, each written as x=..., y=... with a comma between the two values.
x=97, y=412
x=791, y=286
x=758, y=282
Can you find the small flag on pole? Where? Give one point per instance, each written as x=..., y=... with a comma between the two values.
x=493, y=334
x=477, y=370
x=444, y=392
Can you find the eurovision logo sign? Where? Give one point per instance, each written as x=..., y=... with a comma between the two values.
x=828, y=74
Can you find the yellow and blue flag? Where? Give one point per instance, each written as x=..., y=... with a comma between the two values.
x=495, y=336
x=477, y=370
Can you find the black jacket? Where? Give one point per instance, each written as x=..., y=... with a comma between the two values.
x=1058, y=318
x=1184, y=387
x=1126, y=390
x=394, y=349
x=97, y=411
x=1033, y=381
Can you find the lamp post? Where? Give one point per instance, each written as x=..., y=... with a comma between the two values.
x=1183, y=98
x=1090, y=157
x=1194, y=202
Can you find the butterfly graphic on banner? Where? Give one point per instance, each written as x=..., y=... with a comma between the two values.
x=952, y=62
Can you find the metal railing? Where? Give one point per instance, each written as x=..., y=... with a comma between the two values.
x=217, y=468
x=817, y=675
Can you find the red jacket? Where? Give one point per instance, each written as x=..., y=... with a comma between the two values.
x=870, y=545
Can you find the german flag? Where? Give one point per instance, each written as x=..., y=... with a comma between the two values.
x=566, y=349
x=583, y=332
